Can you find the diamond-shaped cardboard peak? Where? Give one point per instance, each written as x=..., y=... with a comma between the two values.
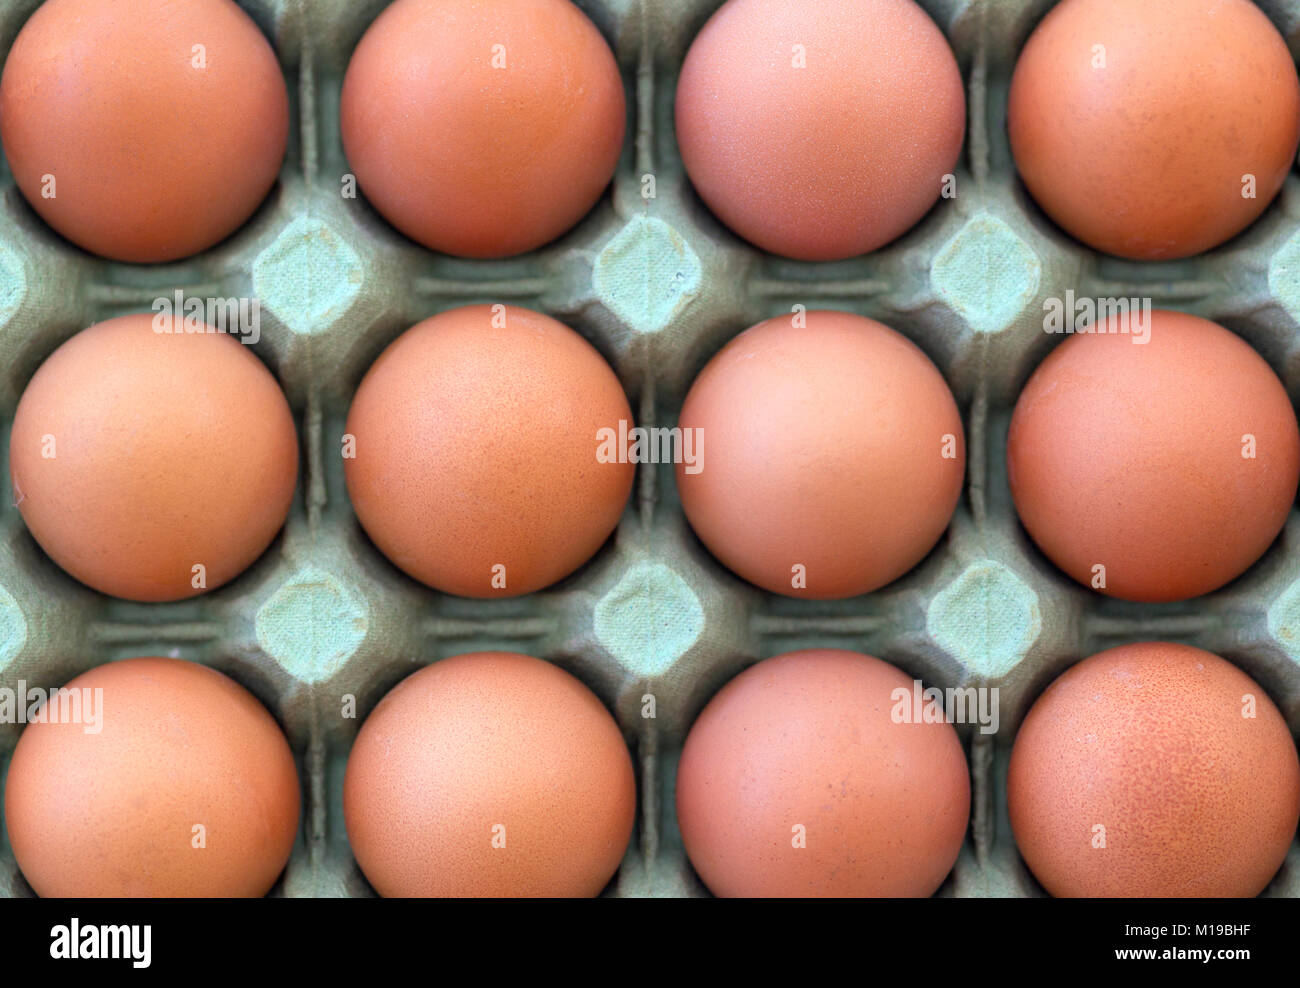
x=986, y=274
x=308, y=277
x=13, y=284
x=646, y=274
x=988, y=618
x=1284, y=277
x=312, y=625
x=13, y=628
x=649, y=619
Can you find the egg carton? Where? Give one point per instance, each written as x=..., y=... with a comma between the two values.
x=658, y=286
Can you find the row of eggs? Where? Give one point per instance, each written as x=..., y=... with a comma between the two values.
x=814, y=130
x=499, y=774
x=827, y=455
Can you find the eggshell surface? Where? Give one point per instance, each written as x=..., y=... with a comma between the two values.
x=489, y=774
x=483, y=128
x=476, y=466
x=823, y=130
x=833, y=455
x=1154, y=769
x=188, y=788
x=796, y=780
x=143, y=130
x=1171, y=464
x=1154, y=129
x=137, y=456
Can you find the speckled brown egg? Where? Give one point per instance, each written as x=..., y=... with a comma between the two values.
x=1154, y=129
x=1154, y=471
x=477, y=463
x=489, y=774
x=169, y=779
x=143, y=130
x=1154, y=769
x=798, y=779
x=482, y=128
x=820, y=130
x=153, y=466
x=832, y=455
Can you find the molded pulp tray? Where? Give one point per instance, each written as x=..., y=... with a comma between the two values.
x=658, y=286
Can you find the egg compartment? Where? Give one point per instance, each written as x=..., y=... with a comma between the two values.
x=658, y=285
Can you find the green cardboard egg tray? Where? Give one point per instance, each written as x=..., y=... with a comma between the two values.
x=658, y=286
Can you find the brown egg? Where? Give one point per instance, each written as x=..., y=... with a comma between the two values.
x=163, y=778
x=137, y=456
x=1171, y=464
x=821, y=130
x=489, y=774
x=143, y=130
x=483, y=128
x=476, y=463
x=833, y=455
x=797, y=780
x=1154, y=129
x=1154, y=770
